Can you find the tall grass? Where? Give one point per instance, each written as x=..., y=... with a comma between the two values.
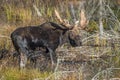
x=5, y=41
x=17, y=15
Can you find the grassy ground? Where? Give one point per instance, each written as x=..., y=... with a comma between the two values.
x=13, y=73
x=9, y=70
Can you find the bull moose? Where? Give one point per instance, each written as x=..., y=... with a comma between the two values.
x=48, y=35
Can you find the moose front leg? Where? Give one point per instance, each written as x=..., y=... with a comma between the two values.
x=52, y=56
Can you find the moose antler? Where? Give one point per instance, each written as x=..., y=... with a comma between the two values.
x=62, y=21
x=58, y=16
x=83, y=22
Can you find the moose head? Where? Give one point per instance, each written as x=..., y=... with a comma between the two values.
x=73, y=32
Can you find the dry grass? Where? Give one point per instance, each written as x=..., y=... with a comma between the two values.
x=5, y=41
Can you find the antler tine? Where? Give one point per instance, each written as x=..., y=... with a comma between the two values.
x=62, y=21
x=83, y=22
x=76, y=23
x=58, y=16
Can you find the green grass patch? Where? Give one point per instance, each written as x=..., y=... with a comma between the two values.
x=13, y=73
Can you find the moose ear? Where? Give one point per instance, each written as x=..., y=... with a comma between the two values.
x=76, y=23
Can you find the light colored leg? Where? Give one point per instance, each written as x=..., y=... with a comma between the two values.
x=23, y=60
x=51, y=56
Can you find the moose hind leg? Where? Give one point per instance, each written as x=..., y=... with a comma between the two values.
x=23, y=57
x=23, y=50
x=22, y=60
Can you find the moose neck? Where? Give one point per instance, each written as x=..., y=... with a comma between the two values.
x=64, y=37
